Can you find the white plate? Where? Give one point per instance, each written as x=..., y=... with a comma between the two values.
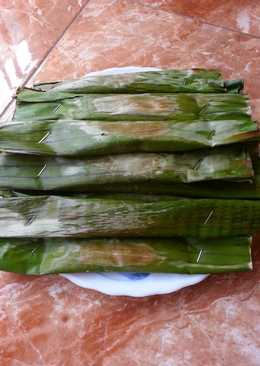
x=132, y=284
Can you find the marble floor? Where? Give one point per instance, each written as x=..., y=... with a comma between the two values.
x=47, y=321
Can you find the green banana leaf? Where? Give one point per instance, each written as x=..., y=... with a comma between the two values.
x=116, y=107
x=209, y=189
x=127, y=216
x=83, y=138
x=5, y=193
x=178, y=255
x=40, y=173
x=164, y=81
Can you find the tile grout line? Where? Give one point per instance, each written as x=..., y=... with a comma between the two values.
x=224, y=28
x=36, y=68
x=30, y=75
x=220, y=26
x=205, y=22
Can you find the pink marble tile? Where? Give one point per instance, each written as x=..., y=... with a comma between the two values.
x=119, y=33
x=8, y=113
x=28, y=29
x=240, y=15
x=49, y=321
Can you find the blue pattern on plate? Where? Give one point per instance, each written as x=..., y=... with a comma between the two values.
x=135, y=276
x=124, y=276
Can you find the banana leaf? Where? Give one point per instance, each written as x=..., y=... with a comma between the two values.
x=178, y=255
x=127, y=216
x=83, y=138
x=164, y=81
x=209, y=189
x=116, y=107
x=8, y=193
x=40, y=173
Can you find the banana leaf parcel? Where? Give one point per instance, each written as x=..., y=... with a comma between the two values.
x=209, y=189
x=127, y=216
x=164, y=81
x=40, y=173
x=34, y=105
x=87, y=138
x=142, y=139
x=179, y=255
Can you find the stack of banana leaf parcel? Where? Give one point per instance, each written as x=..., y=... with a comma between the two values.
x=145, y=172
